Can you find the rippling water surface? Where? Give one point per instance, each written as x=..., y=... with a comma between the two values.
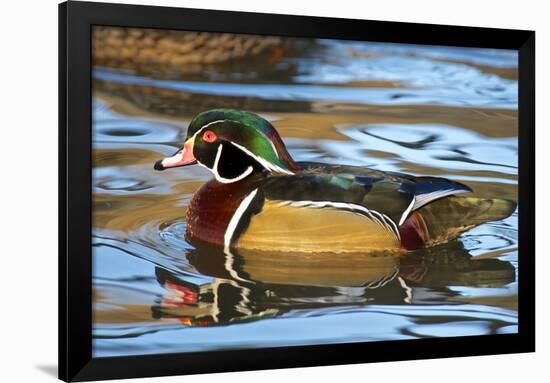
x=440, y=111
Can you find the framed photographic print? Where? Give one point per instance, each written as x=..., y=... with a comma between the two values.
x=248, y=191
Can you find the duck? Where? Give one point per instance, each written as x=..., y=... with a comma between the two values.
x=261, y=199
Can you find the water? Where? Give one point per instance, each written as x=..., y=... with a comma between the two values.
x=439, y=111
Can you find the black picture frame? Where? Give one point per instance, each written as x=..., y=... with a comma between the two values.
x=75, y=209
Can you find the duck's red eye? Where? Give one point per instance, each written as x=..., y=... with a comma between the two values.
x=209, y=136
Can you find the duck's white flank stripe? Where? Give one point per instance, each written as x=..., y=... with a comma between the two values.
x=382, y=219
x=227, y=180
x=387, y=221
x=407, y=211
x=236, y=219
x=266, y=164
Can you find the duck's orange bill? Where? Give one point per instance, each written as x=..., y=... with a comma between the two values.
x=182, y=157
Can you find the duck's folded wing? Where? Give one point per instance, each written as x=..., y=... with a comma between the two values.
x=395, y=196
x=381, y=197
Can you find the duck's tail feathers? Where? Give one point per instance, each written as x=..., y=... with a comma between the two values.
x=447, y=218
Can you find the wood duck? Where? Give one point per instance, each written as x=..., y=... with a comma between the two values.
x=261, y=199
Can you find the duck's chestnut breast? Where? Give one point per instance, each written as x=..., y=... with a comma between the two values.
x=212, y=208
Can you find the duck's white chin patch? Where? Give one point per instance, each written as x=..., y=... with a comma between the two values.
x=216, y=173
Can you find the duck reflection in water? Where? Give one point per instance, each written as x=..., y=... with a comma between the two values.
x=253, y=286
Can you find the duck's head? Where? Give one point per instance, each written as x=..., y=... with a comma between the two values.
x=233, y=145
